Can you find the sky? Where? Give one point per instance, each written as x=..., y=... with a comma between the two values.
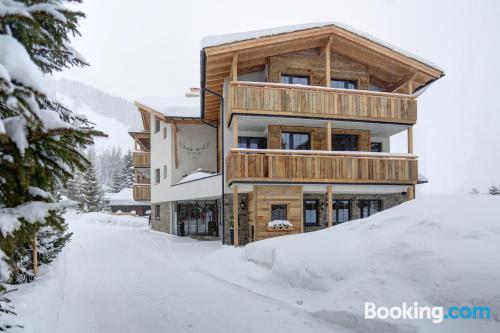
x=151, y=48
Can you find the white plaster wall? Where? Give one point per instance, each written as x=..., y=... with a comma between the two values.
x=160, y=155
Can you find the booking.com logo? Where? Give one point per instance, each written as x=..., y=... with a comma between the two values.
x=435, y=313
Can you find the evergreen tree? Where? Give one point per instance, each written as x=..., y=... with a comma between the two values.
x=118, y=181
x=128, y=170
x=474, y=191
x=41, y=141
x=494, y=189
x=92, y=196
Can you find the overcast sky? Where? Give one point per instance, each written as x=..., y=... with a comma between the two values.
x=151, y=47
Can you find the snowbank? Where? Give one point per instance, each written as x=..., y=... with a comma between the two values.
x=109, y=219
x=439, y=250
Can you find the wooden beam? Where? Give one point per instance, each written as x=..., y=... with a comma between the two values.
x=410, y=86
x=234, y=68
x=235, y=216
x=35, y=255
x=328, y=69
x=404, y=81
x=174, y=129
x=410, y=139
x=329, y=135
x=235, y=131
x=330, y=205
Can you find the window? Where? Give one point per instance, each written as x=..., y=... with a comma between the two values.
x=295, y=79
x=341, y=211
x=157, y=176
x=157, y=125
x=278, y=212
x=345, y=142
x=376, y=147
x=296, y=141
x=157, y=212
x=164, y=172
x=369, y=207
x=165, y=133
x=344, y=84
x=252, y=142
x=311, y=212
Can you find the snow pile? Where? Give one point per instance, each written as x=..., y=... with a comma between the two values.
x=176, y=107
x=438, y=250
x=108, y=219
x=279, y=224
x=195, y=175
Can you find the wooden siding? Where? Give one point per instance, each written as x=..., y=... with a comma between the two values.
x=321, y=102
x=142, y=159
x=265, y=196
x=267, y=165
x=142, y=192
x=310, y=63
x=318, y=136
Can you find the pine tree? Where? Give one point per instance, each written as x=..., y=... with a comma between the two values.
x=41, y=141
x=494, y=189
x=92, y=196
x=118, y=181
x=128, y=170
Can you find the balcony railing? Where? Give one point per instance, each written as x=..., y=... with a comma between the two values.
x=321, y=102
x=142, y=192
x=142, y=159
x=270, y=165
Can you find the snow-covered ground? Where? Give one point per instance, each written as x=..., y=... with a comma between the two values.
x=118, y=276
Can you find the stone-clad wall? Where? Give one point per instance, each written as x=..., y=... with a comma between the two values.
x=163, y=224
x=242, y=217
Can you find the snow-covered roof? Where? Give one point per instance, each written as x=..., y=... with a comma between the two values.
x=216, y=40
x=198, y=174
x=175, y=107
x=123, y=198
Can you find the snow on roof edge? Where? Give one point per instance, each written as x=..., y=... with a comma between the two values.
x=216, y=40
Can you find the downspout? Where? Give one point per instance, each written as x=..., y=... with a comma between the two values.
x=203, y=89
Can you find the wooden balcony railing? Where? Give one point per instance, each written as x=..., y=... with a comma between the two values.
x=321, y=102
x=270, y=165
x=142, y=159
x=142, y=192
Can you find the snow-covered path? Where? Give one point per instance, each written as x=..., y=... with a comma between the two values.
x=121, y=279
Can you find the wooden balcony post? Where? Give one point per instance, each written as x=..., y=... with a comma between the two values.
x=235, y=215
x=330, y=205
x=235, y=131
x=410, y=192
x=410, y=139
x=234, y=68
x=327, y=61
x=329, y=136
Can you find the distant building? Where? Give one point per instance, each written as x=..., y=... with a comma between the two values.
x=124, y=202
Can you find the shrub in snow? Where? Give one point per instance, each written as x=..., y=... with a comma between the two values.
x=279, y=224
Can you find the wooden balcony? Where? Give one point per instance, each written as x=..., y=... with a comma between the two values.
x=142, y=192
x=142, y=159
x=270, y=165
x=260, y=98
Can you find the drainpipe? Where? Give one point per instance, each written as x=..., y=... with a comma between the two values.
x=223, y=201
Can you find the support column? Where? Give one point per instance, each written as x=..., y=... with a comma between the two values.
x=410, y=192
x=235, y=131
x=330, y=204
x=234, y=68
x=410, y=139
x=235, y=215
x=35, y=256
x=329, y=136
